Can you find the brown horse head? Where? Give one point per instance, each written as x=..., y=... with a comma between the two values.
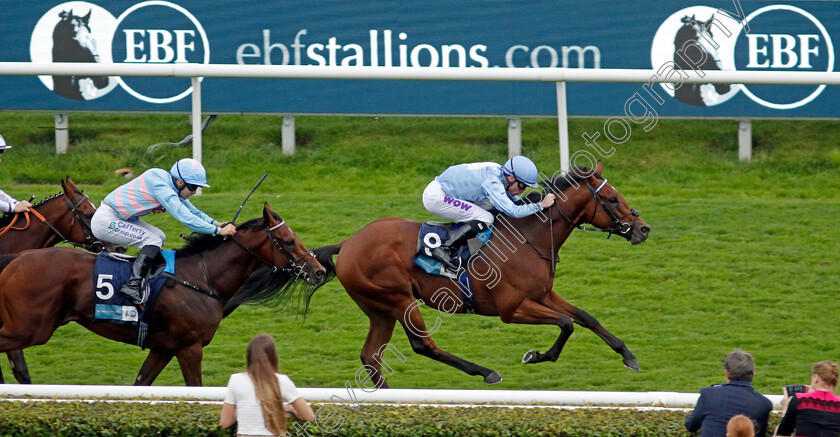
x=301, y=261
x=74, y=222
x=604, y=207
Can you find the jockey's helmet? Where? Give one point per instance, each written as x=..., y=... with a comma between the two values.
x=3, y=145
x=190, y=171
x=523, y=169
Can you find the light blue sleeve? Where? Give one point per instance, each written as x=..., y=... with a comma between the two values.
x=495, y=190
x=190, y=216
x=7, y=202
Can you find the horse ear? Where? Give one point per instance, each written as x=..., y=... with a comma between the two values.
x=86, y=18
x=599, y=167
x=268, y=215
x=709, y=22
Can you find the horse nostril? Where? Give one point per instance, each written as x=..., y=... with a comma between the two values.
x=645, y=229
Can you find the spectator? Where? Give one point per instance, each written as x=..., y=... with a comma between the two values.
x=740, y=426
x=8, y=203
x=816, y=412
x=718, y=403
x=258, y=400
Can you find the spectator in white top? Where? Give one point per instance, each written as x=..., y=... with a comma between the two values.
x=258, y=400
x=8, y=203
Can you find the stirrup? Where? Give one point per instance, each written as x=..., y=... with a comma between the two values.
x=441, y=255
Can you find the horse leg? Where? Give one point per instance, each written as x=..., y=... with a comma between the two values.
x=379, y=333
x=152, y=366
x=530, y=312
x=190, y=361
x=421, y=343
x=19, y=367
x=553, y=301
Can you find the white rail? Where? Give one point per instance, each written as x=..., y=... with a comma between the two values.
x=558, y=75
x=416, y=73
x=659, y=398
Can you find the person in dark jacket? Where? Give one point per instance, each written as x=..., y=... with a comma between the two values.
x=720, y=402
x=816, y=412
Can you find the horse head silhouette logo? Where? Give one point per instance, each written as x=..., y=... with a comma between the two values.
x=698, y=32
x=73, y=42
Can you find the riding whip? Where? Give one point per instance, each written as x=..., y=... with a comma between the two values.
x=247, y=197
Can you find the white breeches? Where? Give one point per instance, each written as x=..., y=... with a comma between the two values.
x=108, y=226
x=440, y=204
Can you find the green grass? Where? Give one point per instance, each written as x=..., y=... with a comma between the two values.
x=741, y=255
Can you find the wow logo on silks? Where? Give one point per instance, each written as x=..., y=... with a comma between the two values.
x=154, y=32
x=772, y=38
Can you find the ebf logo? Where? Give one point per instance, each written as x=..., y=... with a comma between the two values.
x=153, y=31
x=772, y=38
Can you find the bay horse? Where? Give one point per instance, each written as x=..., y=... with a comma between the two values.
x=512, y=276
x=44, y=289
x=64, y=217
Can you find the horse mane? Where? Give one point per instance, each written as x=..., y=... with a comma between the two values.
x=558, y=184
x=264, y=286
x=8, y=216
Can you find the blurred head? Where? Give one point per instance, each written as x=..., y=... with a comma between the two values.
x=739, y=365
x=190, y=171
x=827, y=372
x=3, y=146
x=740, y=426
x=261, y=358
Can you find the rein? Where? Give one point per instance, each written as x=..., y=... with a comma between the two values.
x=73, y=208
x=619, y=227
x=295, y=269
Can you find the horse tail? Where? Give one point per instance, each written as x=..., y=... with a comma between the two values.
x=324, y=255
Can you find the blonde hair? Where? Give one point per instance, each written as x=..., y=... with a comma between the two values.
x=261, y=358
x=827, y=371
x=740, y=426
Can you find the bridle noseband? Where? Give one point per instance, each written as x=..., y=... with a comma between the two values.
x=294, y=268
x=91, y=243
x=619, y=227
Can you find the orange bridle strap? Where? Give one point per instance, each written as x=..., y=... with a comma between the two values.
x=11, y=225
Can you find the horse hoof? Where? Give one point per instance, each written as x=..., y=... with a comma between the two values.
x=631, y=364
x=493, y=378
x=532, y=356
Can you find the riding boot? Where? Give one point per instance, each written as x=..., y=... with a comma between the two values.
x=139, y=274
x=456, y=238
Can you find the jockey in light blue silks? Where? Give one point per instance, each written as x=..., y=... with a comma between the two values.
x=7, y=202
x=156, y=190
x=460, y=192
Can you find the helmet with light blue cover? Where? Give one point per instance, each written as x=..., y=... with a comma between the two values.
x=190, y=171
x=523, y=169
x=3, y=145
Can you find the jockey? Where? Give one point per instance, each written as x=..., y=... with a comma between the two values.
x=477, y=184
x=8, y=203
x=156, y=190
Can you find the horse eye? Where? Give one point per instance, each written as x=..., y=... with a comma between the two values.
x=613, y=199
x=290, y=242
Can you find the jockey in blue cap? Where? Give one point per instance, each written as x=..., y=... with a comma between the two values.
x=461, y=192
x=156, y=190
x=7, y=202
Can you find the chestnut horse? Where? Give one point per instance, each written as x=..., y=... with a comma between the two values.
x=43, y=289
x=64, y=217
x=512, y=276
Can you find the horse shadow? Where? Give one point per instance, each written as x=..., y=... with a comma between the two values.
x=73, y=42
x=697, y=33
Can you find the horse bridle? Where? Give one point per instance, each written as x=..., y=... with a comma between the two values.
x=294, y=269
x=91, y=243
x=619, y=227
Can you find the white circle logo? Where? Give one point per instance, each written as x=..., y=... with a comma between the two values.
x=153, y=31
x=74, y=32
x=691, y=39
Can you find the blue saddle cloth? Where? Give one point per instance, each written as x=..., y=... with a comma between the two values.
x=432, y=235
x=109, y=304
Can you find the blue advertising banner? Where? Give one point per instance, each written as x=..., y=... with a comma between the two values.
x=674, y=38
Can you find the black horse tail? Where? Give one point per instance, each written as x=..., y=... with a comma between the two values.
x=324, y=255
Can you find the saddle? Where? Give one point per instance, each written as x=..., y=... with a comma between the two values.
x=110, y=272
x=432, y=235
